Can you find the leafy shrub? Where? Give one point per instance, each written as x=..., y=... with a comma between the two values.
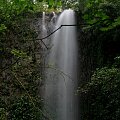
x=102, y=14
x=2, y=114
x=71, y=4
x=103, y=94
x=24, y=108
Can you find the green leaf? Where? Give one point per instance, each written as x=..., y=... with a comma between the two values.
x=19, y=53
x=51, y=3
x=117, y=22
x=2, y=27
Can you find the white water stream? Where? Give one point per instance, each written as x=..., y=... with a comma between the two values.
x=60, y=85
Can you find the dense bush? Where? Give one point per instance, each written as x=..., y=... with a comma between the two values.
x=21, y=108
x=19, y=71
x=24, y=108
x=102, y=14
x=102, y=94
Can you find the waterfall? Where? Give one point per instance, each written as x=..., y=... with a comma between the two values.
x=44, y=29
x=60, y=84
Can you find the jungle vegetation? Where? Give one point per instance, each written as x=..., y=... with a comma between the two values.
x=19, y=67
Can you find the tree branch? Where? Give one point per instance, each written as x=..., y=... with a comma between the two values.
x=5, y=68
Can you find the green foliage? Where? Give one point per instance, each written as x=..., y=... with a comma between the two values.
x=23, y=108
x=19, y=77
x=54, y=3
x=3, y=114
x=117, y=62
x=103, y=94
x=18, y=53
x=14, y=7
x=19, y=99
x=48, y=5
x=72, y=4
x=40, y=6
x=102, y=14
x=2, y=28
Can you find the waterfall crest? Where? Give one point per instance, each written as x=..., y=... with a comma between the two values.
x=61, y=79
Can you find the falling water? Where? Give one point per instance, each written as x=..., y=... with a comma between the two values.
x=61, y=80
x=43, y=20
x=44, y=29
